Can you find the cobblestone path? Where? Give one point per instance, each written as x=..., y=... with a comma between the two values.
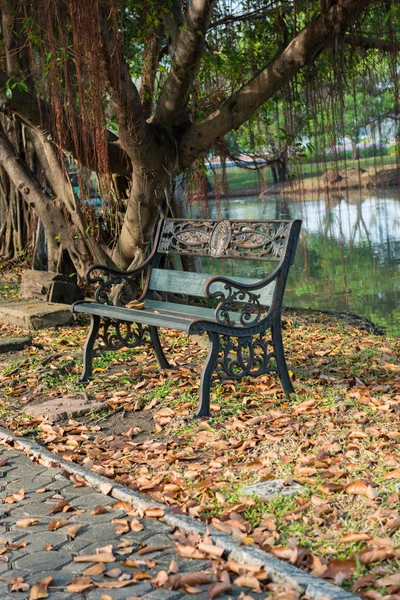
x=32, y=491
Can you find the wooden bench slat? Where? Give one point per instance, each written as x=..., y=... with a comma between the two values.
x=192, y=284
x=131, y=315
x=195, y=312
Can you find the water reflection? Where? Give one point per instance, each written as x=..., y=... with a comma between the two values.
x=349, y=253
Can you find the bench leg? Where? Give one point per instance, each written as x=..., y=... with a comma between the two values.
x=88, y=349
x=282, y=369
x=203, y=409
x=158, y=351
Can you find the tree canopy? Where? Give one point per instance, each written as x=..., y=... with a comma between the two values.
x=139, y=91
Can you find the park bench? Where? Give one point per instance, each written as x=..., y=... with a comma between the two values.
x=235, y=312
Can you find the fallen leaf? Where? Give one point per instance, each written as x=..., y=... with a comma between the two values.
x=73, y=531
x=99, y=510
x=116, y=572
x=105, y=557
x=389, y=580
x=220, y=587
x=96, y=569
x=211, y=549
x=105, y=488
x=17, y=497
x=80, y=584
x=361, y=487
x=113, y=585
x=39, y=589
x=154, y=513
x=354, y=537
x=135, y=525
x=18, y=585
x=59, y=507
x=54, y=525
x=27, y=522
x=248, y=580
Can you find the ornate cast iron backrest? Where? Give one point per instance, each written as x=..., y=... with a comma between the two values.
x=253, y=240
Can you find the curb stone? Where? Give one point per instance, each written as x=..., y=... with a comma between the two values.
x=278, y=571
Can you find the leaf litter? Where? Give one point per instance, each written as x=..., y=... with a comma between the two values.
x=338, y=437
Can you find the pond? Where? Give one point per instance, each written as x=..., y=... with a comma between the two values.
x=348, y=258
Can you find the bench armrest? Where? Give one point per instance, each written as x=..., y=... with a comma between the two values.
x=115, y=287
x=233, y=291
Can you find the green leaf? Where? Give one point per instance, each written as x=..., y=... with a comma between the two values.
x=22, y=87
x=8, y=93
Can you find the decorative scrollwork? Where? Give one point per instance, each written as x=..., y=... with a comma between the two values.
x=248, y=307
x=256, y=240
x=113, y=288
x=245, y=356
x=117, y=334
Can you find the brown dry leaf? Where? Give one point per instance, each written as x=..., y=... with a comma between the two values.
x=127, y=506
x=39, y=589
x=17, y=497
x=374, y=554
x=113, y=585
x=60, y=506
x=248, y=580
x=340, y=569
x=239, y=567
x=18, y=585
x=74, y=530
x=141, y=575
x=364, y=581
x=80, y=584
x=188, y=551
x=54, y=525
x=196, y=578
x=99, y=510
x=220, y=587
x=27, y=522
x=160, y=579
x=105, y=488
x=393, y=524
x=96, y=569
x=173, y=567
x=154, y=513
x=211, y=549
x=354, y=537
x=360, y=487
x=389, y=580
x=136, y=525
x=48, y=547
x=100, y=557
x=106, y=597
x=393, y=474
x=116, y=572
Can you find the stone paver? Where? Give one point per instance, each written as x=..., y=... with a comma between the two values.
x=51, y=553
x=35, y=314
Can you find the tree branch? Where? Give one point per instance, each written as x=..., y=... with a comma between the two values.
x=357, y=41
x=301, y=51
x=189, y=48
x=151, y=57
x=172, y=21
x=130, y=116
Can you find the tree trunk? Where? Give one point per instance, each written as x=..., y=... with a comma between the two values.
x=355, y=152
